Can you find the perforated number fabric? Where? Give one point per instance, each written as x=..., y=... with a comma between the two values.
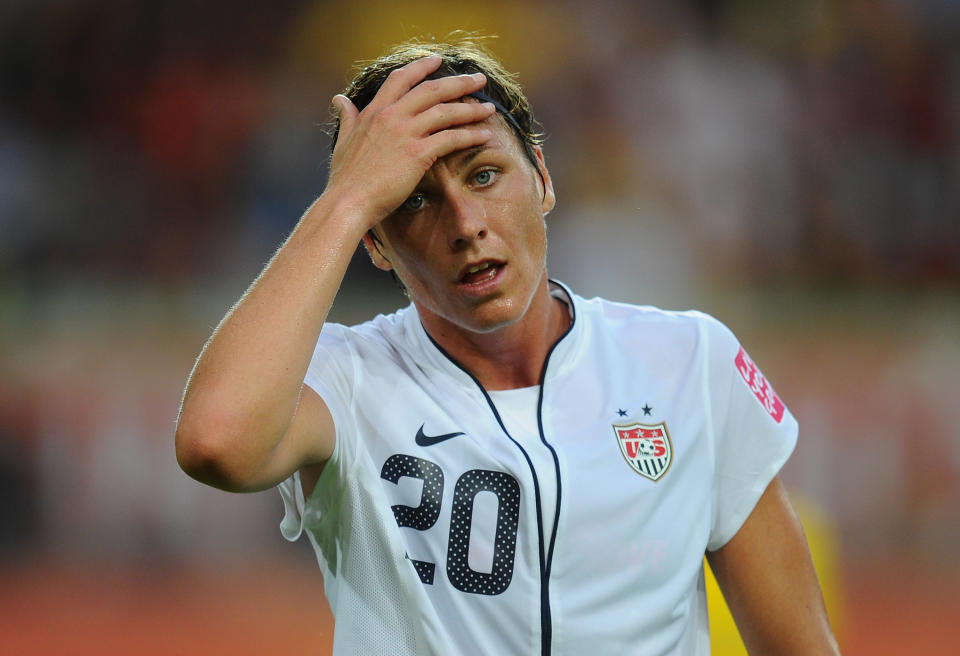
x=505, y=543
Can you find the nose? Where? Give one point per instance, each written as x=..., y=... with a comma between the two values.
x=465, y=220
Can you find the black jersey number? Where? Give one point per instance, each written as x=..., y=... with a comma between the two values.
x=468, y=486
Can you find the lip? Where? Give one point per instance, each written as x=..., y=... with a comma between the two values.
x=486, y=286
x=466, y=267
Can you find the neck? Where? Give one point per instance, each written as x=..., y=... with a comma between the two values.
x=513, y=356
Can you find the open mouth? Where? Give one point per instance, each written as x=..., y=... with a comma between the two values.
x=481, y=273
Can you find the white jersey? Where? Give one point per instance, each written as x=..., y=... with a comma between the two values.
x=578, y=525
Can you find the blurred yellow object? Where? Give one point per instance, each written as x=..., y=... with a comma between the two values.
x=334, y=35
x=724, y=637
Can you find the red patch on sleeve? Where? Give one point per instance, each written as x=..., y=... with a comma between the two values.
x=759, y=385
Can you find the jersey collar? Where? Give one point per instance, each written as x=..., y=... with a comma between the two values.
x=560, y=358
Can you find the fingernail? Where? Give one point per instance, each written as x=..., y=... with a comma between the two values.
x=478, y=77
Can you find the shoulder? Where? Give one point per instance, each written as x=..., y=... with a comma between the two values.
x=345, y=357
x=380, y=332
x=653, y=323
x=373, y=345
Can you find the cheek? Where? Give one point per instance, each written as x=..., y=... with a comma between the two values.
x=410, y=246
x=521, y=207
x=534, y=227
x=417, y=271
x=411, y=270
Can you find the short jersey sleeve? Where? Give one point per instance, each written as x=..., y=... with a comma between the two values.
x=332, y=374
x=754, y=432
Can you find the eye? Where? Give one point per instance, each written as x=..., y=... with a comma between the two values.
x=414, y=202
x=485, y=177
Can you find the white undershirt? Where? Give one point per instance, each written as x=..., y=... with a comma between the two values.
x=518, y=410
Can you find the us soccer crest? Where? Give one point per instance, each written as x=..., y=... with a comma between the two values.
x=646, y=448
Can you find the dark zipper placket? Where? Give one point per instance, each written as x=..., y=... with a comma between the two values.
x=546, y=552
x=546, y=616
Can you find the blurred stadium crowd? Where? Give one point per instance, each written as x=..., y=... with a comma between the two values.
x=155, y=141
x=791, y=166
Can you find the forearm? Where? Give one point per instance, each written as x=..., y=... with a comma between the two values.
x=243, y=392
x=769, y=583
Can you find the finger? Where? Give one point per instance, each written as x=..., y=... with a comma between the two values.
x=346, y=113
x=445, y=142
x=432, y=92
x=447, y=115
x=402, y=79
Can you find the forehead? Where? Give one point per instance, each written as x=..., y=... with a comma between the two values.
x=502, y=140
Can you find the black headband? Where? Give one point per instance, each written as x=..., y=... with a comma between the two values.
x=482, y=97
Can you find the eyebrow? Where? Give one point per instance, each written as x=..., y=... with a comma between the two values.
x=471, y=154
x=464, y=160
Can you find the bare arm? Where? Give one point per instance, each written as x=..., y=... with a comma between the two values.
x=247, y=421
x=767, y=578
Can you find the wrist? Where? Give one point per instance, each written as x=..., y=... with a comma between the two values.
x=347, y=214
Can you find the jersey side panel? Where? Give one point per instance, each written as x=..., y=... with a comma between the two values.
x=349, y=522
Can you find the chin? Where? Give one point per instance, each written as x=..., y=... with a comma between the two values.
x=495, y=314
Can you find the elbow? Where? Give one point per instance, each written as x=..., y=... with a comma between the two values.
x=209, y=451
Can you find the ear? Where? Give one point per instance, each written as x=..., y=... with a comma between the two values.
x=374, y=250
x=549, y=198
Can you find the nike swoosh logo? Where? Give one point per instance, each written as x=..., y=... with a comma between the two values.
x=430, y=440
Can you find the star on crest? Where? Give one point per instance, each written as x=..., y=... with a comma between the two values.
x=646, y=409
x=622, y=413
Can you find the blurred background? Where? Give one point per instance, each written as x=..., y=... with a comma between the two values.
x=790, y=166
